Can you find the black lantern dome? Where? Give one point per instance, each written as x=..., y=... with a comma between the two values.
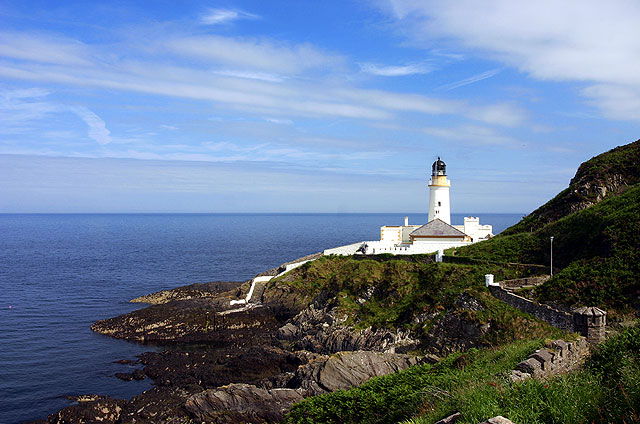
x=438, y=168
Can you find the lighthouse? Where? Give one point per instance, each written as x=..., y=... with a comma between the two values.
x=439, y=193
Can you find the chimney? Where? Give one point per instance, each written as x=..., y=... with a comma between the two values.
x=406, y=221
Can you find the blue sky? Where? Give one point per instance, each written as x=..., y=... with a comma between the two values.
x=304, y=106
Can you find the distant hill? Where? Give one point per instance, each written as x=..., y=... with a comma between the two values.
x=595, y=223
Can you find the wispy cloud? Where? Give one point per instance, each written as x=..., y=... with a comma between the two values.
x=97, y=127
x=574, y=40
x=395, y=71
x=261, y=76
x=253, y=54
x=47, y=48
x=279, y=121
x=261, y=87
x=470, y=80
x=225, y=16
x=472, y=134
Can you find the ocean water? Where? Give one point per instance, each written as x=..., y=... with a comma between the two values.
x=60, y=273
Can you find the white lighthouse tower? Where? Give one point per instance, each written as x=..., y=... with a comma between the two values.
x=439, y=193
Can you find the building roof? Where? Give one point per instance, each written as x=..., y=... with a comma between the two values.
x=437, y=228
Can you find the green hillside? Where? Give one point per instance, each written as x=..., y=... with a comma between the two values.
x=596, y=250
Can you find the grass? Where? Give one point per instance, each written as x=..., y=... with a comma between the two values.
x=606, y=390
x=426, y=388
x=597, y=250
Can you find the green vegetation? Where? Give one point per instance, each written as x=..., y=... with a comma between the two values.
x=392, y=293
x=426, y=388
x=475, y=384
x=597, y=248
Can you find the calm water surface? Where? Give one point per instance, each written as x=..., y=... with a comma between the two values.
x=60, y=273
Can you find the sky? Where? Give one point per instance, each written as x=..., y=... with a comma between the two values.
x=307, y=106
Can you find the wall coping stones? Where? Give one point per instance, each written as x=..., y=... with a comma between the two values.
x=561, y=357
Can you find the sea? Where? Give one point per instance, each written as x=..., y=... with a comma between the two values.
x=61, y=272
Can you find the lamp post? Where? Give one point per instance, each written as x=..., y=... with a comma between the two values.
x=551, y=266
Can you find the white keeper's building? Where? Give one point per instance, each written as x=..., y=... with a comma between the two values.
x=434, y=236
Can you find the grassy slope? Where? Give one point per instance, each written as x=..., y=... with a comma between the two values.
x=475, y=384
x=391, y=294
x=425, y=388
x=597, y=250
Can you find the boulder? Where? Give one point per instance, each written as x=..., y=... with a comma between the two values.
x=242, y=403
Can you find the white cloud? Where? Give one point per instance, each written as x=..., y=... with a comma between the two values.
x=473, y=79
x=279, y=121
x=253, y=54
x=97, y=127
x=575, y=40
x=471, y=134
x=260, y=89
x=19, y=108
x=615, y=100
x=395, y=71
x=504, y=114
x=261, y=76
x=223, y=16
x=43, y=49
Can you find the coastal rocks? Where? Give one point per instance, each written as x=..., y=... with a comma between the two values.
x=319, y=328
x=285, y=301
x=90, y=409
x=242, y=403
x=321, y=374
x=193, y=291
x=158, y=405
x=128, y=376
x=193, y=321
x=213, y=368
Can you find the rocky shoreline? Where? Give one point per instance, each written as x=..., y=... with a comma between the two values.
x=249, y=363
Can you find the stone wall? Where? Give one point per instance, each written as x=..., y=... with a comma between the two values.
x=524, y=282
x=559, y=319
x=589, y=322
x=560, y=357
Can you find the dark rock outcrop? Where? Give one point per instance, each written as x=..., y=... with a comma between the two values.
x=90, y=409
x=320, y=328
x=194, y=321
x=192, y=291
x=453, y=331
x=213, y=368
